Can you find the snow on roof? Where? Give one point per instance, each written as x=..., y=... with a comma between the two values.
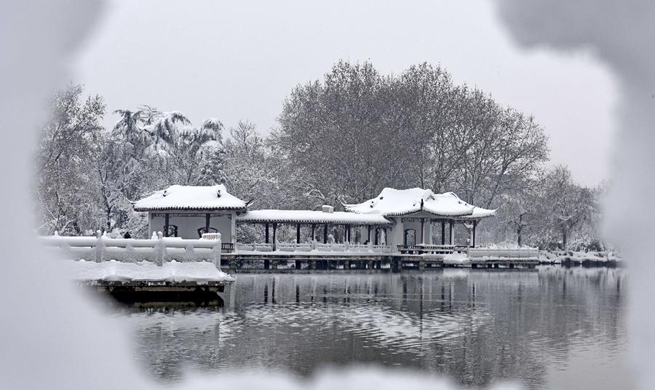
x=393, y=202
x=204, y=198
x=479, y=212
x=308, y=216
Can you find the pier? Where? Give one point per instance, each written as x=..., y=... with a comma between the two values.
x=157, y=271
x=288, y=257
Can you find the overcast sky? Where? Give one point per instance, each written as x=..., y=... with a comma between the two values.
x=239, y=59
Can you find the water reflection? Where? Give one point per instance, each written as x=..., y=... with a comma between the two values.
x=478, y=327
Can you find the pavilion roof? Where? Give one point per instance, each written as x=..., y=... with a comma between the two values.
x=393, y=202
x=309, y=216
x=201, y=198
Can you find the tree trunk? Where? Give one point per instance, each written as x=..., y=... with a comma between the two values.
x=519, y=230
x=518, y=236
x=565, y=237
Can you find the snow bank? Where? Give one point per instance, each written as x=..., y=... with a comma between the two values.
x=116, y=271
x=594, y=257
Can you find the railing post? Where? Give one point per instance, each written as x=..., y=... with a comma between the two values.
x=130, y=253
x=161, y=249
x=216, y=252
x=100, y=253
x=190, y=253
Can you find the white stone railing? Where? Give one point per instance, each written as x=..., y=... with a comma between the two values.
x=255, y=247
x=157, y=249
x=293, y=247
x=314, y=246
x=515, y=254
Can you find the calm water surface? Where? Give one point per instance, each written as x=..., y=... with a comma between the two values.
x=549, y=328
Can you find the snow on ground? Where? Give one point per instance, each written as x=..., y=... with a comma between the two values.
x=199, y=272
x=588, y=256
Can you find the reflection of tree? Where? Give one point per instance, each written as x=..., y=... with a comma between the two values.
x=477, y=327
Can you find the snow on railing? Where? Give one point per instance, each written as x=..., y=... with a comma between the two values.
x=492, y=253
x=158, y=249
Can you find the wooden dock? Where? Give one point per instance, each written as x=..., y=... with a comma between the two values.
x=280, y=261
x=244, y=258
x=303, y=262
x=165, y=293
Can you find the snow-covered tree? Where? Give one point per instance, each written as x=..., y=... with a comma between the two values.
x=66, y=202
x=357, y=131
x=567, y=206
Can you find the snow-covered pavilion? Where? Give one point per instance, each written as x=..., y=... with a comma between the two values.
x=399, y=219
x=413, y=213
x=190, y=211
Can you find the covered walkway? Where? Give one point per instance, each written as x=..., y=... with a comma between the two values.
x=369, y=227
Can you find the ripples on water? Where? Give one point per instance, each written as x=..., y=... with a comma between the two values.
x=548, y=328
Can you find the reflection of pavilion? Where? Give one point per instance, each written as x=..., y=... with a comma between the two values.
x=396, y=220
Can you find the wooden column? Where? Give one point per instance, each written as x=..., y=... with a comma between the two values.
x=267, y=239
x=422, y=230
x=325, y=231
x=452, y=228
x=274, y=236
x=313, y=231
x=297, y=233
x=369, y=234
x=167, y=219
x=207, y=222
x=475, y=227
x=348, y=233
x=443, y=232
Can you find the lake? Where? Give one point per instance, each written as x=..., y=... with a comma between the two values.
x=551, y=327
